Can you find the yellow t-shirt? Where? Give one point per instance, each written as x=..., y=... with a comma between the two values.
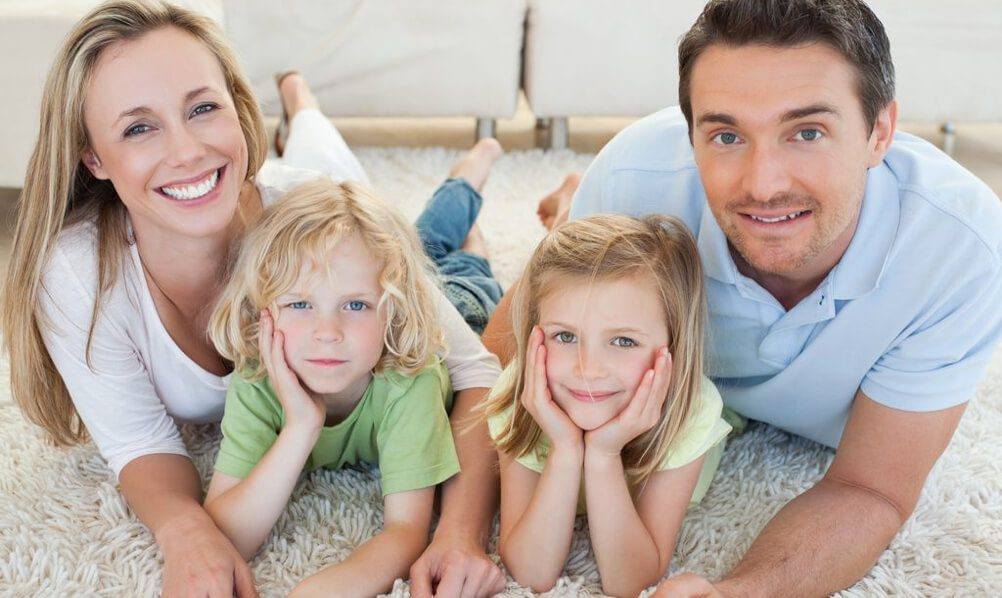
x=704, y=433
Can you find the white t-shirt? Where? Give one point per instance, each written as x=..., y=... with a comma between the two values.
x=138, y=382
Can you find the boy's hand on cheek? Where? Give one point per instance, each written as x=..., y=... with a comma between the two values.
x=642, y=413
x=558, y=427
x=300, y=408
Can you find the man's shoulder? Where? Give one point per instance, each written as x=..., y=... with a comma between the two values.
x=658, y=142
x=943, y=205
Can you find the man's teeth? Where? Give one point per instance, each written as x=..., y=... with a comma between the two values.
x=778, y=218
x=187, y=192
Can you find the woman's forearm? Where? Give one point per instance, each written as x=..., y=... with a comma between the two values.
x=373, y=566
x=536, y=548
x=627, y=557
x=247, y=512
x=470, y=498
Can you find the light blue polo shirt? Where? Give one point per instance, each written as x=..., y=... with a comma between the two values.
x=910, y=315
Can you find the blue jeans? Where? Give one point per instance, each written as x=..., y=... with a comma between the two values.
x=466, y=277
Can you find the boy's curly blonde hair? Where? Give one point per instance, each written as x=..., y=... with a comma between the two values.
x=295, y=236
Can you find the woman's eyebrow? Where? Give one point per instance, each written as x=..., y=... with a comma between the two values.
x=146, y=109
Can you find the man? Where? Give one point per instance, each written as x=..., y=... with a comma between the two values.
x=853, y=273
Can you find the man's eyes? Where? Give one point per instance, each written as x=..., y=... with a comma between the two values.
x=808, y=135
x=725, y=138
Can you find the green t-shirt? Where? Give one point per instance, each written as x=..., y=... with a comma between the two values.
x=704, y=433
x=400, y=423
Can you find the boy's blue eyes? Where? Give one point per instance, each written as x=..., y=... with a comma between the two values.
x=349, y=306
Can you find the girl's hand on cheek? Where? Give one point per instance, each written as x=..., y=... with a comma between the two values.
x=558, y=427
x=642, y=413
x=301, y=409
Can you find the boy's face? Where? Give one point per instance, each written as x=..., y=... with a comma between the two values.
x=333, y=335
x=783, y=151
x=600, y=341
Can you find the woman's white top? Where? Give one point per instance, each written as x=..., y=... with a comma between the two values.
x=139, y=383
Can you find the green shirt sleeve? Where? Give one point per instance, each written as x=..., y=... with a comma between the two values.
x=251, y=422
x=414, y=437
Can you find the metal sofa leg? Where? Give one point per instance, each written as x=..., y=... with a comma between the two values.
x=559, y=133
x=949, y=137
x=486, y=127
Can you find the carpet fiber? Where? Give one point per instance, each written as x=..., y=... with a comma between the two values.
x=65, y=529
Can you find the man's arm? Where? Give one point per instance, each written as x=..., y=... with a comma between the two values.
x=498, y=336
x=830, y=536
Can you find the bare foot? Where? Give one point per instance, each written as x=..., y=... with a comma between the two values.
x=296, y=94
x=477, y=163
x=554, y=208
x=475, y=242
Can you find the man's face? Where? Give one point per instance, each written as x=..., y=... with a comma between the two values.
x=783, y=149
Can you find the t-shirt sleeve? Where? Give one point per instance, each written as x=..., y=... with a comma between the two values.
x=940, y=362
x=470, y=364
x=112, y=391
x=251, y=423
x=588, y=197
x=414, y=437
x=533, y=459
x=703, y=430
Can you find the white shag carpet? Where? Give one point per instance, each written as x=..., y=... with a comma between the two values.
x=65, y=529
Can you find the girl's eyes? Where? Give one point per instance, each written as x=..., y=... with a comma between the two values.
x=808, y=135
x=564, y=337
x=625, y=342
x=355, y=305
x=197, y=110
x=298, y=305
x=619, y=341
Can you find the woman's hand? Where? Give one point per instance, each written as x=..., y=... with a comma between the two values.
x=558, y=427
x=642, y=413
x=200, y=561
x=300, y=407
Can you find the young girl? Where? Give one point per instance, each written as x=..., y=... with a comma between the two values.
x=330, y=322
x=605, y=403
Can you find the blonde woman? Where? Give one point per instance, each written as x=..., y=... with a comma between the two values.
x=330, y=322
x=148, y=167
x=605, y=402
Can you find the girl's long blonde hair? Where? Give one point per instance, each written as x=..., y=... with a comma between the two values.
x=613, y=247
x=59, y=190
x=293, y=237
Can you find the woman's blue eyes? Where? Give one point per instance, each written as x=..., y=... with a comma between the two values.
x=197, y=110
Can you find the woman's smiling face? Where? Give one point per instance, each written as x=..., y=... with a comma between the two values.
x=163, y=129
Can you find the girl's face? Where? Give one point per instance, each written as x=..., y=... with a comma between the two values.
x=600, y=340
x=333, y=335
x=163, y=129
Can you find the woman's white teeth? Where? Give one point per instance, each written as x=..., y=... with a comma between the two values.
x=778, y=218
x=186, y=192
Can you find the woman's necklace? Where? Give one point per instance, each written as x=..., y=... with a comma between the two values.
x=224, y=365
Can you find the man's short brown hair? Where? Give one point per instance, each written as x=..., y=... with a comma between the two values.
x=848, y=26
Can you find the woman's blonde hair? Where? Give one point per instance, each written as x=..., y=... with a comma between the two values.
x=59, y=190
x=608, y=247
x=294, y=237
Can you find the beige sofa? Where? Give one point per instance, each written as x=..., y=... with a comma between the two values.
x=619, y=58
x=363, y=57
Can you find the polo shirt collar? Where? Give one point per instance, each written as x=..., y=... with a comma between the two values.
x=862, y=264
x=859, y=270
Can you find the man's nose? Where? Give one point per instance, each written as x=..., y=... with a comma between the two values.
x=766, y=174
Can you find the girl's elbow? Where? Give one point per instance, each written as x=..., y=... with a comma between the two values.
x=523, y=576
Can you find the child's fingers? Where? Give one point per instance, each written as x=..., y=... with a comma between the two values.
x=641, y=397
x=659, y=388
x=264, y=339
x=540, y=374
